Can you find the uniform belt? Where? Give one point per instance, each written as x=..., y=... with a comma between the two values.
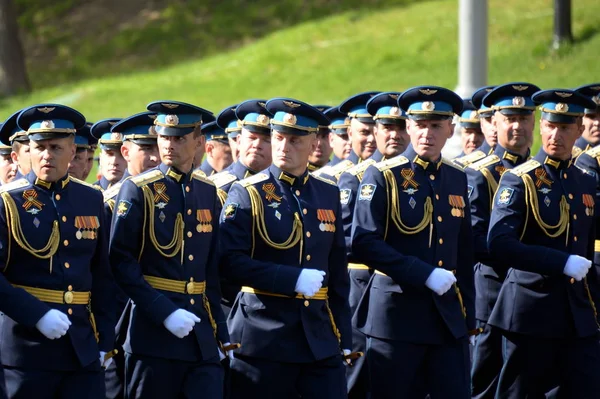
x=321, y=295
x=358, y=266
x=56, y=296
x=597, y=246
x=182, y=287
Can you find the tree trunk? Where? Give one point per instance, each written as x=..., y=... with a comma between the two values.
x=13, y=74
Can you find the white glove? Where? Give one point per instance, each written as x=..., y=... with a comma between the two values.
x=440, y=281
x=472, y=340
x=228, y=353
x=54, y=324
x=181, y=322
x=309, y=282
x=577, y=267
x=103, y=363
x=346, y=352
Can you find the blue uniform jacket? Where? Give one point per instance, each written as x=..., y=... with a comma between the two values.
x=274, y=327
x=80, y=264
x=544, y=211
x=171, y=196
x=409, y=219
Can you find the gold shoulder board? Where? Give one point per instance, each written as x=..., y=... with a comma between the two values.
x=341, y=167
x=454, y=165
x=525, y=167
x=325, y=180
x=390, y=163
x=468, y=159
x=485, y=162
x=147, y=178
x=576, y=151
x=112, y=192
x=223, y=178
x=593, y=152
x=328, y=170
x=257, y=178
x=95, y=187
x=14, y=185
x=361, y=167
x=201, y=176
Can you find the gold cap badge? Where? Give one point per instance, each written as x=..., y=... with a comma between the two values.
x=561, y=107
x=290, y=119
x=172, y=120
x=518, y=101
x=428, y=106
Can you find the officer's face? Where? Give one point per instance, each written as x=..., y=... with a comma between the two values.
x=179, y=152
x=362, y=138
x=471, y=139
x=50, y=158
x=515, y=132
x=488, y=129
x=558, y=138
x=429, y=136
x=290, y=152
x=78, y=164
x=89, y=164
x=22, y=157
x=320, y=156
x=591, y=128
x=391, y=139
x=220, y=155
x=7, y=169
x=140, y=157
x=233, y=144
x=112, y=165
x=254, y=150
x=340, y=143
x=200, y=151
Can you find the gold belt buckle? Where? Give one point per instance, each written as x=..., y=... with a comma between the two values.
x=189, y=287
x=68, y=297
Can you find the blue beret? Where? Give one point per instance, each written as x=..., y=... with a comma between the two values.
x=48, y=121
x=384, y=108
x=338, y=121
x=561, y=105
x=430, y=102
x=227, y=121
x=213, y=132
x=469, y=118
x=356, y=106
x=175, y=118
x=254, y=116
x=295, y=117
x=512, y=98
x=477, y=101
x=593, y=92
x=138, y=128
x=107, y=139
x=11, y=132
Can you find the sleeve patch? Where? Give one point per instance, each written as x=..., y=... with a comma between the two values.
x=366, y=192
x=505, y=195
x=345, y=196
x=230, y=211
x=123, y=208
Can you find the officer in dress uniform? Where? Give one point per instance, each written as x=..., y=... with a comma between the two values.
x=591, y=120
x=112, y=163
x=11, y=133
x=589, y=159
x=485, y=119
x=514, y=123
x=471, y=135
x=169, y=268
x=391, y=139
x=227, y=121
x=7, y=168
x=412, y=225
x=320, y=156
x=54, y=261
x=141, y=154
x=338, y=141
x=542, y=232
x=292, y=314
x=218, y=152
x=78, y=165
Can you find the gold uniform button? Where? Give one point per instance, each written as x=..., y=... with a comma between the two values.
x=66, y=243
x=441, y=263
x=67, y=265
x=189, y=212
x=570, y=196
x=432, y=177
x=70, y=288
x=441, y=240
x=70, y=311
x=440, y=219
x=297, y=192
x=574, y=217
x=575, y=238
x=187, y=189
x=308, y=234
x=564, y=175
x=304, y=211
x=57, y=197
x=306, y=303
x=437, y=197
x=192, y=301
x=189, y=234
x=191, y=257
x=308, y=257
x=64, y=218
